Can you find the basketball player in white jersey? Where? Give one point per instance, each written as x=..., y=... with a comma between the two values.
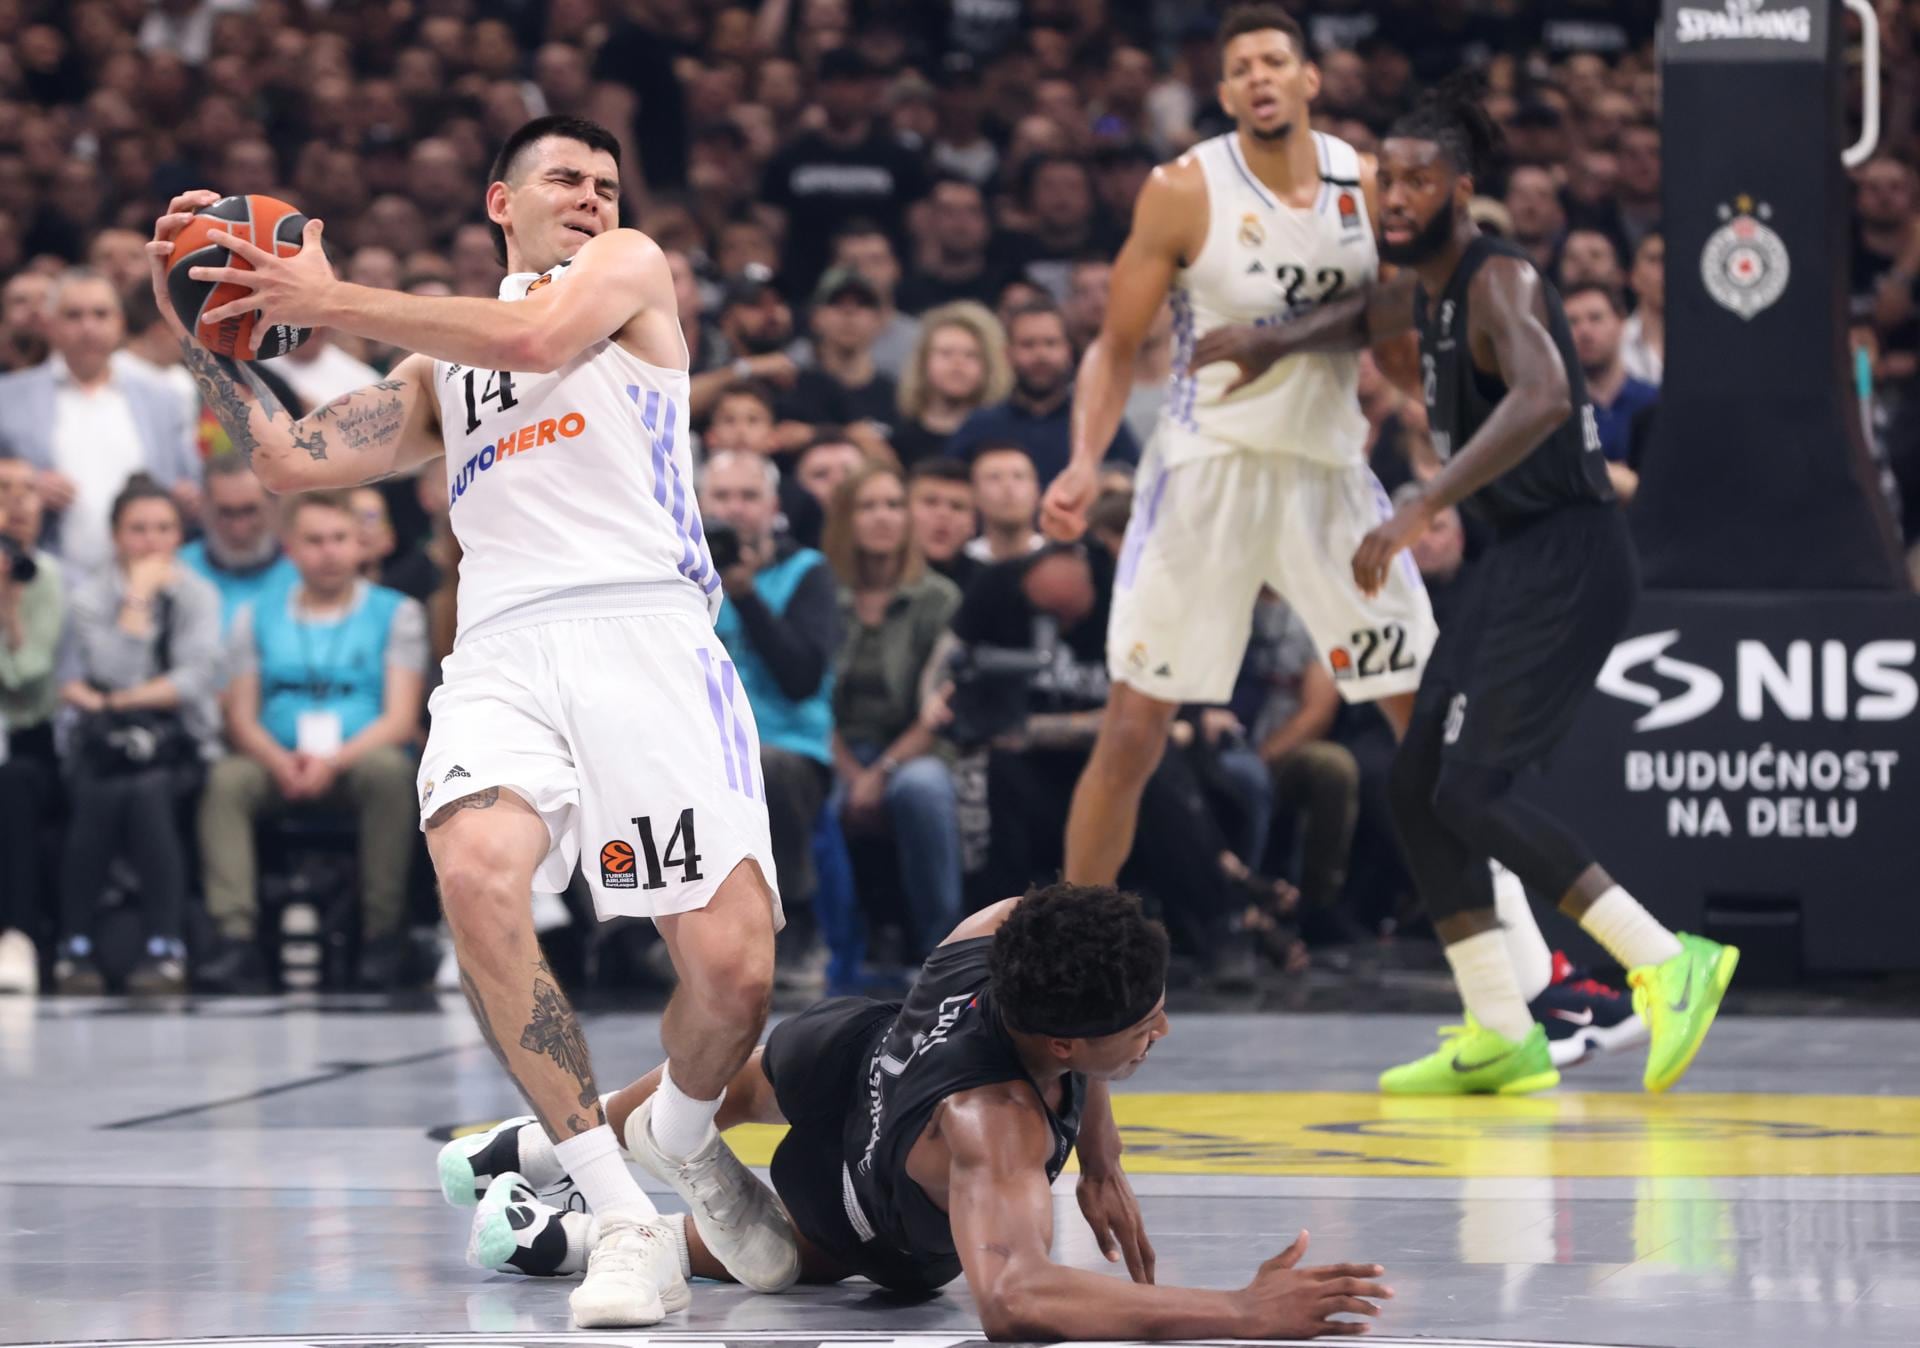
x=1243, y=486
x=587, y=705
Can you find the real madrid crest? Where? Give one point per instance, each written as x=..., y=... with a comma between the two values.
x=1251, y=234
x=1745, y=265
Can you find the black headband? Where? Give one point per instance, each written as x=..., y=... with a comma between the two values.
x=1098, y=1027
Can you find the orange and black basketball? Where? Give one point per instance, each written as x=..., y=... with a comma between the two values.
x=265, y=222
x=616, y=858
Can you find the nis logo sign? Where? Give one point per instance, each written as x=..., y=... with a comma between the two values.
x=1873, y=681
x=1745, y=20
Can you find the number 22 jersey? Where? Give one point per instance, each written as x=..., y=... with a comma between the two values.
x=572, y=492
x=1266, y=262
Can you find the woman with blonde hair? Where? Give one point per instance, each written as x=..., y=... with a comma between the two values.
x=958, y=366
x=893, y=611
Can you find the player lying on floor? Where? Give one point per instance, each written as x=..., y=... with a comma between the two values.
x=924, y=1139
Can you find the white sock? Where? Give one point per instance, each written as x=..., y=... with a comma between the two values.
x=583, y=1232
x=540, y=1164
x=593, y=1163
x=1483, y=971
x=680, y=1122
x=1630, y=933
x=1526, y=947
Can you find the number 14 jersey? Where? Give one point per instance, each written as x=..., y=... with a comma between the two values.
x=572, y=491
x=1265, y=262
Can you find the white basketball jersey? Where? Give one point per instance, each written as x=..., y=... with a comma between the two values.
x=573, y=486
x=1265, y=262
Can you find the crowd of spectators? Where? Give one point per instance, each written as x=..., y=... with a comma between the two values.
x=891, y=226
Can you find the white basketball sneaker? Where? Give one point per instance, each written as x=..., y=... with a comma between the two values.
x=633, y=1275
x=514, y=1231
x=517, y=1147
x=737, y=1216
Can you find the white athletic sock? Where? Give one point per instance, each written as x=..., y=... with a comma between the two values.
x=1483, y=971
x=680, y=1122
x=1630, y=933
x=593, y=1163
x=584, y=1234
x=540, y=1164
x=676, y=1224
x=1532, y=961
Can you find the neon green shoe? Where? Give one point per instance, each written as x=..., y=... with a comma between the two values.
x=1473, y=1060
x=1678, y=1001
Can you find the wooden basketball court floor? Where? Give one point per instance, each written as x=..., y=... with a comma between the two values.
x=252, y=1171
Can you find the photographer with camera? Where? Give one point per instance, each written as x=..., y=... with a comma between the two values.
x=141, y=667
x=32, y=609
x=1028, y=676
x=780, y=624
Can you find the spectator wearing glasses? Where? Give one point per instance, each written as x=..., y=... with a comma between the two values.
x=239, y=554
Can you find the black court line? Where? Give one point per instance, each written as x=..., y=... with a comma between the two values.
x=335, y=1072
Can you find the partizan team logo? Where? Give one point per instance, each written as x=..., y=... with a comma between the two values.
x=1745, y=265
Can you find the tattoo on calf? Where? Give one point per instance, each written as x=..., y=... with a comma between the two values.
x=555, y=1031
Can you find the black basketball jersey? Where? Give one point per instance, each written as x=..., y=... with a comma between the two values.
x=1566, y=468
x=946, y=1039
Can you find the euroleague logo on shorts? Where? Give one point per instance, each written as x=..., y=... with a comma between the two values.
x=617, y=866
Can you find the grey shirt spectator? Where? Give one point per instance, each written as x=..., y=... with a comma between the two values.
x=97, y=651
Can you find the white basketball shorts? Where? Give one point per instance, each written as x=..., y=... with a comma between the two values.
x=1207, y=533
x=630, y=736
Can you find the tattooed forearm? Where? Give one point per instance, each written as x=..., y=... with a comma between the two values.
x=554, y=1031
x=479, y=800
x=220, y=381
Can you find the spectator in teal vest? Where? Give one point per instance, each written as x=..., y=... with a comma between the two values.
x=323, y=710
x=779, y=623
x=240, y=551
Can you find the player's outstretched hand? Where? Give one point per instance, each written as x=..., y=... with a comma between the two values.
x=1108, y=1204
x=1253, y=350
x=1298, y=1303
x=1378, y=549
x=1063, y=510
x=160, y=248
x=288, y=291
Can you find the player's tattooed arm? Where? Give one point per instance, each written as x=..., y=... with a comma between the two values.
x=364, y=436
x=235, y=395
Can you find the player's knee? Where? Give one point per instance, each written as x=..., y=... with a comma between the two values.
x=482, y=903
x=734, y=983
x=1133, y=736
x=1465, y=794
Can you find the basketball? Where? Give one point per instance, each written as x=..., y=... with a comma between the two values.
x=266, y=222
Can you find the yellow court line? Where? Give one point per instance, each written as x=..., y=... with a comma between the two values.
x=1565, y=1134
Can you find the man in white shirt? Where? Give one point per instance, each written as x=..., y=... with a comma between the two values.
x=87, y=425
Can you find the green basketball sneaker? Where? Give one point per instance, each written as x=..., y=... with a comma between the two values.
x=1678, y=1001
x=1473, y=1060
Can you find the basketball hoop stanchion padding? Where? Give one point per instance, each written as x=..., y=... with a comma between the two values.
x=1757, y=476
